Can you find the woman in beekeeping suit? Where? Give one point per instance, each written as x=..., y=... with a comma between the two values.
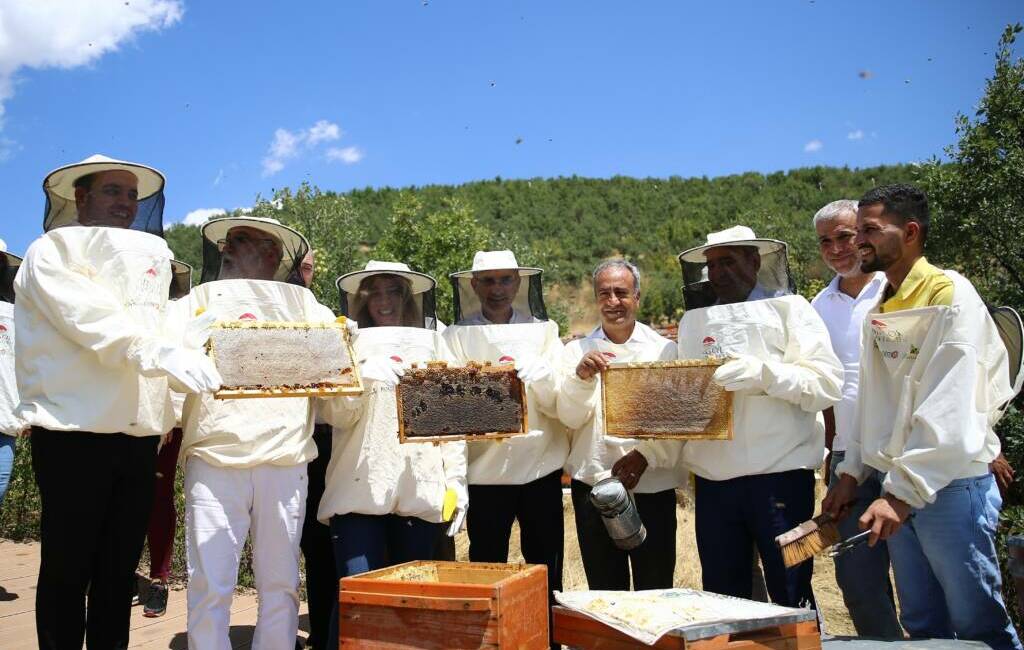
x=386, y=502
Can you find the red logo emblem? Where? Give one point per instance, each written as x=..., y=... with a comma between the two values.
x=610, y=355
x=709, y=340
x=505, y=359
x=3, y=328
x=247, y=316
x=878, y=322
x=396, y=358
x=151, y=272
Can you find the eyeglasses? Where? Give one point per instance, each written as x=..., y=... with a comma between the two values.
x=263, y=244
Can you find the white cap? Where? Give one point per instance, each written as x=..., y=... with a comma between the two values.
x=496, y=261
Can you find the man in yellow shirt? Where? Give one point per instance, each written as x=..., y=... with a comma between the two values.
x=933, y=374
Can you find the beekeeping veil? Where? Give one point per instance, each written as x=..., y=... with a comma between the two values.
x=529, y=298
x=9, y=263
x=181, y=279
x=293, y=246
x=1011, y=331
x=764, y=269
x=418, y=308
x=59, y=187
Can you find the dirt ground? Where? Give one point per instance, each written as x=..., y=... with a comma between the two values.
x=687, y=574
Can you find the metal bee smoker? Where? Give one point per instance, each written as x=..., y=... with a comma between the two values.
x=619, y=513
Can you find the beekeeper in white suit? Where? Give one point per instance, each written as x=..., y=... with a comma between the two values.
x=934, y=373
x=245, y=460
x=10, y=425
x=94, y=356
x=500, y=318
x=388, y=502
x=740, y=303
x=593, y=456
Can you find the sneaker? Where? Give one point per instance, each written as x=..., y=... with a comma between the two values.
x=135, y=591
x=156, y=603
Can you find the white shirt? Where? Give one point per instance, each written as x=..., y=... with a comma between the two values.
x=843, y=318
x=9, y=424
x=591, y=454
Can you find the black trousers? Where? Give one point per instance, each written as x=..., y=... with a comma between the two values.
x=96, y=491
x=736, y=516
x=321, y=578
x=538, y=507
x=608, y=566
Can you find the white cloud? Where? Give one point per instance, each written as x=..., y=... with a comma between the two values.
x=287, y=145
x=346, y=155
x=219, y=178
x=855, y=135
x=60, y=34
x=199, y=216
x=322, y=131
x=813, y=145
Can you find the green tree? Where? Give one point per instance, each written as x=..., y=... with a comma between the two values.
x=332, y=227
x=436, y=242
x=979, y=198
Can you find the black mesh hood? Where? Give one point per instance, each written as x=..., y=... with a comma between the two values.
x=419, y=310
x=529, y=299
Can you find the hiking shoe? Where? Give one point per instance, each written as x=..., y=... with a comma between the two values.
x=156, y=603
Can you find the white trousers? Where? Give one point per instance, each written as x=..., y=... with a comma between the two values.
x=222, y=506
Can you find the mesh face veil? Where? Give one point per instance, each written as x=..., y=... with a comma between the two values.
x=62, y=209
x=9, y=264
x=181, y=280
x=735, y=270
x=408, y=294
x=244, y=247
x=500, y=283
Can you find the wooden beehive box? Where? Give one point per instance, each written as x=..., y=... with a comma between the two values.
x=797, y=632
x=666, y=399
x=279, y=359
x=430, y=604
x=478, y=402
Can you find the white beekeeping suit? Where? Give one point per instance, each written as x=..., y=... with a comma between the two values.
x=592, y=454
x=245, y=459
x=10, y=424
x=529, y=339
x=935, y=379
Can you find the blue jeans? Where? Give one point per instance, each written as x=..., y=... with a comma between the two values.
x=863, y=573
x=6, y=462
x=947, y=574
x=366, y=542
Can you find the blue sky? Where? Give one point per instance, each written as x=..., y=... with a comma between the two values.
x=231, y=99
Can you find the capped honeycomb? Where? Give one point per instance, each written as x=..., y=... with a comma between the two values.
x=438, y=402
x=666, y=399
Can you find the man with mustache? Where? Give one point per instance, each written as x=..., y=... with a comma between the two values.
x=95, y=357
x=592, y=456
x=863, y=573
x=933, y=376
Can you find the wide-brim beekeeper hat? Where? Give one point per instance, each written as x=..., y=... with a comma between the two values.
x=421, y=287
x=529, y=299
x=293, y=245
x=59, y=187
x=773, y=277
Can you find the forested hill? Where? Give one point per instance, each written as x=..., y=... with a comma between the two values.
x=569, y=224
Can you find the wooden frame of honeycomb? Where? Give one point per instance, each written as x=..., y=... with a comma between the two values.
x=648, y=400
x=468, y=375
x=352, y=386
